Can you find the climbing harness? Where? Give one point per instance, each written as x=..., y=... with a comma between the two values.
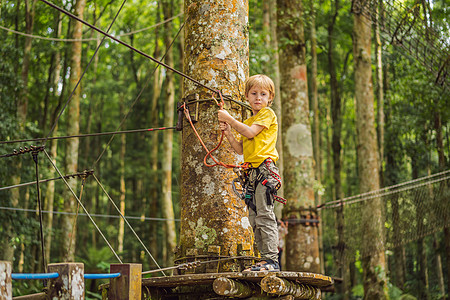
x=249, y=182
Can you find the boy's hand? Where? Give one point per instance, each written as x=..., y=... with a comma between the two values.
x=224, y=116
x=225, y=127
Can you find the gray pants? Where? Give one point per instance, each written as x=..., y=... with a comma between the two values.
x=263, y=221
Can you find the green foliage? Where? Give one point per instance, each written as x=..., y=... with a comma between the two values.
x=97, y=260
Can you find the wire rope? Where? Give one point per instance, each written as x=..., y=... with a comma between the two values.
x=126, y=221
x=386, y=191
x=93, y=215
x=84, y=208
x=129, y=46
x=87, y=135
x=88, y=39
x=82, y=75
x=139, y=95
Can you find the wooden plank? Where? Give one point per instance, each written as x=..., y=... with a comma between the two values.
x=128, y=285
x=5, y=280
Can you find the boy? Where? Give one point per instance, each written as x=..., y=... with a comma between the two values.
x=259, y=136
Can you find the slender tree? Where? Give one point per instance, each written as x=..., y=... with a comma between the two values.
x=373, y=257
x=73, y=128
x=154, y=145
x=336, y=118
x=380, y=88
x=275, y=75
x=167, y=205
x=302, y=243
x=122, y=187
x=314, y=96
x=442, y=166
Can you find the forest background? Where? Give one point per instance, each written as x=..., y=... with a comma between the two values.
x=121, y=87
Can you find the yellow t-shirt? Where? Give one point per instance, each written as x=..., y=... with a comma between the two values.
x=262, y=146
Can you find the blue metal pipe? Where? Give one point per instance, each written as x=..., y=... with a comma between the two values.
x=20, y=276
x=101, y=276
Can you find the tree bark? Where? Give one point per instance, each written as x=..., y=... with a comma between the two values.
x=372, y=254
x=216, y=53
x=167, y=204
x=73, y=128
x=302, y=244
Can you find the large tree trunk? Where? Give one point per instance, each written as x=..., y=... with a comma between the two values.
x=213, y=220
x=167, y=205
x=372, y=254
x=73, y=128
x=302, y=245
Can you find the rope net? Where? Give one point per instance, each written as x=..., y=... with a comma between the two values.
x=409, y=212
x=411, y=27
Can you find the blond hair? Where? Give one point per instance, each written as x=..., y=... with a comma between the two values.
x=263, y=82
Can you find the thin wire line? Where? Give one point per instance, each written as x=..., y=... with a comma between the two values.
x=372, y=196
x=139, y=95
x=82, y=214
x=130, y=47
x=87, y=39
x=199, y=262
x=134, y=232
x=87, y=135
x=40, y=181
x=82, y=75
x=84, y=208
x=389, y=187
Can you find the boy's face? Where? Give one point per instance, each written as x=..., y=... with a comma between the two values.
x=258, y=98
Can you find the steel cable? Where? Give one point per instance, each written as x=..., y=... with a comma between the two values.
x=82, y=75
x=84, y=208
x=126, y=221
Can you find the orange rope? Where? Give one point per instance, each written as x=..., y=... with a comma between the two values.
x=209, y=153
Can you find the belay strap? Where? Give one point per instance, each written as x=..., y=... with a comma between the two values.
x=271, y=189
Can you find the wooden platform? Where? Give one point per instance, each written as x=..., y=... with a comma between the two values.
x=244, y=285
x=318, y=280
